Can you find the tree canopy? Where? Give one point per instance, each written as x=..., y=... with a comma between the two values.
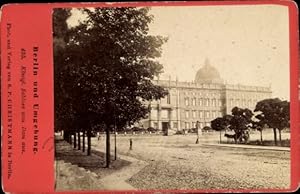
x=221, y=123
x=108, y=66
x=241, y=119
x=275, y=113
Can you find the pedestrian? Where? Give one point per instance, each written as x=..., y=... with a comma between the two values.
x=99, y=136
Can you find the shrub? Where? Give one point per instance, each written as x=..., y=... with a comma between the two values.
x=152, y=130
x=179, y=132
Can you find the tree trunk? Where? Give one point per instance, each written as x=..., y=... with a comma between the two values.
x=79, y=145
x=280, y=136
x=70, y=138
x=65, y=137
x=83, y=140
x=75, y=140
x=261, y=137
x=115, y=145
x=220, y=136
x=275, y=135
x=107, y=147
x=89, y=143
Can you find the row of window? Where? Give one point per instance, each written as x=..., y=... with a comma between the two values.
x=202, y=102
x=202, y=114
x=202, y=94
x=247, y=95
x=165, y=114
x=242, y=102
x=187, y=125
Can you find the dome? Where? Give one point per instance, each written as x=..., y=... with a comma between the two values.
x=208, y=74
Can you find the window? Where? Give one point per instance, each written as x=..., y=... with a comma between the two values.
x=206, y=114
x=231, y=102
x=187, y=125
x=194, y=124
x=200, y=102
x=187, y=114
x=153, y=113
x=194, y=114
x=219, y=102
x=200, y=114
x=213, y=102
x=206, y=102
x=175, y=125
x=194, y=101
x=249, y=103
x=186, y=101
x=168, y=99
x=201, y=125
x=214, y=114
x=164, y=113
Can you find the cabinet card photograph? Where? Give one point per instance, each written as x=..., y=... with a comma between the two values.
x=172, y=98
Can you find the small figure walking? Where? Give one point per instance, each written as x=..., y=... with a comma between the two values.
x=130, y=144
x=197, y=131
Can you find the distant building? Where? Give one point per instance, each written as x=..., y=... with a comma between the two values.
x=203, y=100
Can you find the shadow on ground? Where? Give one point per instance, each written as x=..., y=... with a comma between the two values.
x=94, y=162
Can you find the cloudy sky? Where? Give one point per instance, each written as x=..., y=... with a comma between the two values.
x=247, y=44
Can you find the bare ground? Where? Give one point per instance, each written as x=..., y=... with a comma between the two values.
x=176, y=162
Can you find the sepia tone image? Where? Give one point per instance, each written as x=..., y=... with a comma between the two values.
x=172, y=98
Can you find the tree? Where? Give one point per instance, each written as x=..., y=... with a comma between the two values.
x=275, y=113
x=64, y=115
x=241, y=122
x=259, y=126
x=109, y=65
x=221, y=123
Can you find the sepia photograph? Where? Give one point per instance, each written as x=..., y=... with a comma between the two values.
x=172, y=97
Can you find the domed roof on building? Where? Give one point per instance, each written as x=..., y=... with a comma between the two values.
x=208, y=74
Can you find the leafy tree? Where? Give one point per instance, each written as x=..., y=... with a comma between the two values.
x=259, y=126
x=240, y=122
x=221, y=123
x=63, y=108
x=109, y=65
x=275, y=113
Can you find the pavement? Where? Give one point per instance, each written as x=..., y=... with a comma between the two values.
x=80, y=176
x=117, y=180
x=275, y=148
x=76, y=171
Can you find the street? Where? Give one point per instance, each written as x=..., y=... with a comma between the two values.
x=176, y=162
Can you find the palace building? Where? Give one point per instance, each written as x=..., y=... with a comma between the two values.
x=203, y=100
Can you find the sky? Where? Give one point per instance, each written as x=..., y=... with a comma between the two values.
x=248, y=44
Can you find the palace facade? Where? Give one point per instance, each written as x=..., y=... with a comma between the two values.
x=203, y=100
